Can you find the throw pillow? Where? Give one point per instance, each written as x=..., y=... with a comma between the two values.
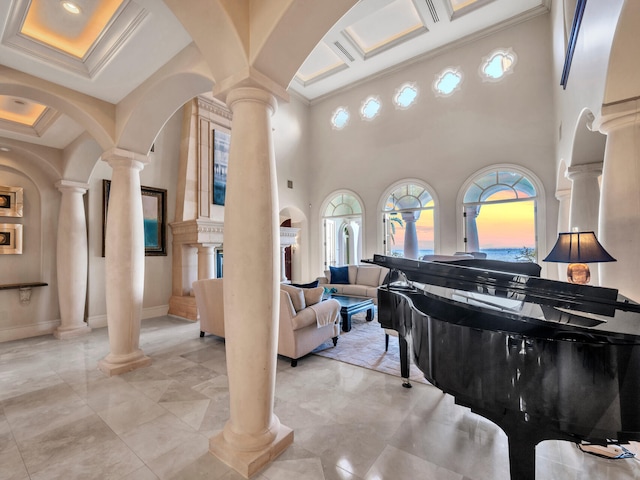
x=339, y=275
x=306, y=285
x=297, y=296
x=369, y=276
x=313, y=295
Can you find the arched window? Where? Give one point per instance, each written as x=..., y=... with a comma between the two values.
x=408, y=221
x=342, y=227
x=499, y=207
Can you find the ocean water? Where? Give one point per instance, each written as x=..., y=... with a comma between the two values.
x=511, y=254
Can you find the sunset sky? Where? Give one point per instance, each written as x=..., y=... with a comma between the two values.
x=502, y=225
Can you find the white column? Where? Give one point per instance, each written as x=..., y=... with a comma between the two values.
x=619, y=227
x=253, y=435
x=585, y=203
x=72, y=261
x=410, y=234
x=283, y=262
x=124, y=263
x=206, y=261
x=585, y=197
x=471, y=233
x=564, y=199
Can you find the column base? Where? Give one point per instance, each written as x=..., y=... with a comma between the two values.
x=184, y=307
x=70, y=332
x=248, y=463
x=111, y=369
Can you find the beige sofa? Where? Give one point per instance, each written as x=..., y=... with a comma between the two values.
x=300, y=311
x=364, y=281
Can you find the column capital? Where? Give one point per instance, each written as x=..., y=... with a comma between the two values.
x=70, y=185
x=252, y=94
x=587, y=169
x=563, y=194
x=118, y=157
x=617, y=115
x=248, y=77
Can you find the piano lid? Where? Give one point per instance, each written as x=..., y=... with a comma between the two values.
x=514, y=285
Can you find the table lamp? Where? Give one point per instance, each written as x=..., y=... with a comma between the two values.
x=577, y=249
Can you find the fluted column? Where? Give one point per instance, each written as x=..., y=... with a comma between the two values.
x=619, y=226
x=124, y=263
x=410, y=234
x=71, y=260
x=253, y=435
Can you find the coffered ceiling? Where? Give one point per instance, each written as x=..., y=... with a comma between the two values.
x=106, y=48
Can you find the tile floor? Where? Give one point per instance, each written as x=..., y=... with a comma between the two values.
x=61, y=418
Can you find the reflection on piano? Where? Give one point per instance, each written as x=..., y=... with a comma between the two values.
x=542, y=359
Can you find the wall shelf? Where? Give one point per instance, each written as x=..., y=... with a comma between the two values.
x=24, y=289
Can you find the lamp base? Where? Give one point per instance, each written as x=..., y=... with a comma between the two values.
x=578, y=273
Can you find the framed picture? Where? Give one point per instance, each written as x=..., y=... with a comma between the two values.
x=221, y=140
x=10, y=201
x=10, y=238
x=154, y=213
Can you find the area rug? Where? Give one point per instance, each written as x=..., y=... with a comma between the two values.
x=363, y=346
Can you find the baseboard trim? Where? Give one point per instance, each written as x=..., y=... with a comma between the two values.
x=27, y=331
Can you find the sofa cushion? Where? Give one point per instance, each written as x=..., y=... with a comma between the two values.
x=312, y=295
x=339, y=275
x=297, y=296
x=369, y=276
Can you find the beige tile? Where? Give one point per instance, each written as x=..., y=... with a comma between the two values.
x=394, y=463
x=127, y=416
x=159, y=436
x=11, y=465
x=84, y=449
x=40, y=411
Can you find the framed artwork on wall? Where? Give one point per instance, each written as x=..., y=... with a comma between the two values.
x=220, y=141
x=10, y=201
x=10, y=238
x=154, y=213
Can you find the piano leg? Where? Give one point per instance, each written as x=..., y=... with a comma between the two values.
x=404, y=361
x=522, y=457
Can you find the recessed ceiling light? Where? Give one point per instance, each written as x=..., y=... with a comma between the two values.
x=71, y=7
x=5, y=149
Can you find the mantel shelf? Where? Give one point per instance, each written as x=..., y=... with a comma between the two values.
x=9, y=286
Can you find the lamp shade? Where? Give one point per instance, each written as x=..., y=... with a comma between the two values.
x=578, y=247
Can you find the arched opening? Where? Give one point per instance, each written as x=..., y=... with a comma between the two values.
x=500, y=214
x=342, y=227
x=408, y=219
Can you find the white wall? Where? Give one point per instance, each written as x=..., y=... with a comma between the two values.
x=37, y=263
x=442, y=141
x=291, y=145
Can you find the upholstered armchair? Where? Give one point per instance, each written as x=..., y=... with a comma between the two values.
x=210, y=306
x=300, y=323
x=303, y=324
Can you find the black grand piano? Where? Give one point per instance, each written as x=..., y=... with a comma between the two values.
x=542, y=359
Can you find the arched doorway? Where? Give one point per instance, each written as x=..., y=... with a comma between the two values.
x=342, y=230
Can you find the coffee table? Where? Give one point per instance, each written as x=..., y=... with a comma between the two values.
x=351, y=305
